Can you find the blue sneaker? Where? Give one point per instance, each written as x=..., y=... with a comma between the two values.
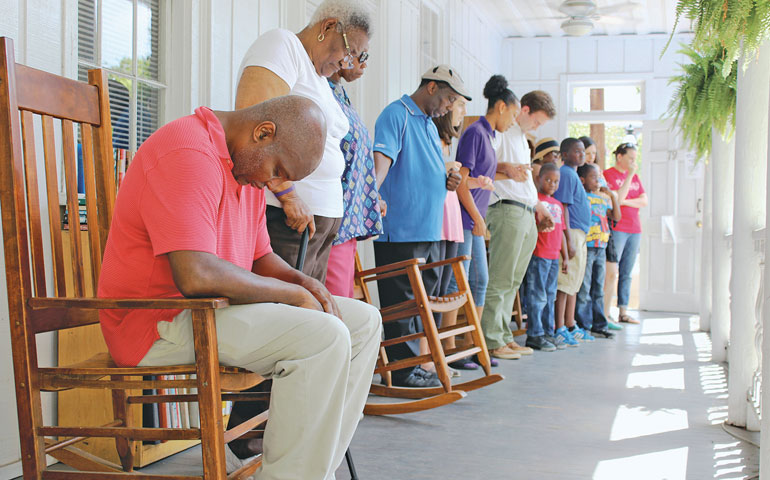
x=582, y=335
x=565, y=336
x=613, y=326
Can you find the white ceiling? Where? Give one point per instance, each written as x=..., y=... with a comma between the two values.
x=526, y=18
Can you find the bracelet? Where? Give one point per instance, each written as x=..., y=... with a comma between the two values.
x=284, y=192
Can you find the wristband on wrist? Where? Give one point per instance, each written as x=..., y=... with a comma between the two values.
x=284, y=192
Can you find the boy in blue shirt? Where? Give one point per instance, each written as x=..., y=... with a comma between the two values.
x=412, y=181
x=578, y=217
x=604, y=205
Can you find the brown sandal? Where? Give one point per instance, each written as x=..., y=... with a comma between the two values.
x=628, y=319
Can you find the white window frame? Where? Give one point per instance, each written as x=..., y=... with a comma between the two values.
x=568, y=81
x=160, y=84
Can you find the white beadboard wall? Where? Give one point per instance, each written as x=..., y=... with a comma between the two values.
x=551, y=64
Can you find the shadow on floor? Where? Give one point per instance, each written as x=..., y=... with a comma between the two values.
x=647, y=405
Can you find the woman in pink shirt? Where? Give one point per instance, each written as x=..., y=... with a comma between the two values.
x=627, y=233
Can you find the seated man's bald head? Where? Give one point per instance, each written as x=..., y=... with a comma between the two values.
x=277, y=140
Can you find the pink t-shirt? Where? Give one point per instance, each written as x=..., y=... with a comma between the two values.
x=178, y=194
x=629, y=221
x=453, y=221
x=549, y=243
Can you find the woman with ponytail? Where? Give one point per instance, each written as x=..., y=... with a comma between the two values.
x=477, y=158
x=627, y=233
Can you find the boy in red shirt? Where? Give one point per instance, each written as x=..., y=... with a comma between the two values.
x=543, y=269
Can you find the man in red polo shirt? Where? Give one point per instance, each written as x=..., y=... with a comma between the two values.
x=190, y=221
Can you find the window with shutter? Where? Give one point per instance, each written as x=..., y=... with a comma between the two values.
x=122, y=37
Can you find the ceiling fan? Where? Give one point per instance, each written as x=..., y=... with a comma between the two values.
x=579, y=15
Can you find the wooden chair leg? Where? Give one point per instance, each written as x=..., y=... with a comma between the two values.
x=209, y=395
x=472, y=315
x=518, y=316
x=122, y=412
x=382, y=360
x=32, y=445
x=429, y=327
x=30, y=413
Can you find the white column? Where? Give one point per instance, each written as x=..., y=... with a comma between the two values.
x=706, y=222
x=748, y=216
x=723, y=171
x=764, y=465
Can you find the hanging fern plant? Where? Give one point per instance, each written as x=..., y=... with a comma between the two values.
x=705, y=98
x=738, y=27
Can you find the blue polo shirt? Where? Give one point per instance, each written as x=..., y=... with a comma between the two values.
x=572, y=194
x=415, y=187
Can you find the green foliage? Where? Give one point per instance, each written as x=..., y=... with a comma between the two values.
x=613, y=136
x=705, y=98
x=737, y=27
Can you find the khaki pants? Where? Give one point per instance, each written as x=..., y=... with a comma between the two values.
x=513, y=235
x=321, y=368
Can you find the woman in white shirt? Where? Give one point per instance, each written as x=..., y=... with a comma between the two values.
x=281, y=62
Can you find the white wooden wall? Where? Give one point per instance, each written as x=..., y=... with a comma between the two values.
x=551, y=64
x=203, y=42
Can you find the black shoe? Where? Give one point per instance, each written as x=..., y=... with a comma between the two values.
x=603, y=333
x=464, y=364
x=426, y=374
x=414, y=378
x=540, y=343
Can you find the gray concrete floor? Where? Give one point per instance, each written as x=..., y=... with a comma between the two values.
x=647, y=405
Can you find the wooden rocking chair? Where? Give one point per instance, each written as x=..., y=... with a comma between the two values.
x=24, y=93
x=424, y=306
x=519, y=316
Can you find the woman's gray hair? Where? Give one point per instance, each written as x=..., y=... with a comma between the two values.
x=350, y=13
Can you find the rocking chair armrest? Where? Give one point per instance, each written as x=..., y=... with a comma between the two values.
x=37, y=303
x=390, y=268
x=447, y=261
x=57, y=313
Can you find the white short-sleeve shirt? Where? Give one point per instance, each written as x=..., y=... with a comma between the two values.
x=512, y=148
x=281, y=52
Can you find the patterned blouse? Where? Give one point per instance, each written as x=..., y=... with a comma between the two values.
x=362, y=218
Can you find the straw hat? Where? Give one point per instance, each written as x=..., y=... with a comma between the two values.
x=544, y=146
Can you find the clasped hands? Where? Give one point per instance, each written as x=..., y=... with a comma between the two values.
x=454, y=178
x=518, y=172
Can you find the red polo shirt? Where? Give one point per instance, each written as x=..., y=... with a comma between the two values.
x=178, y=194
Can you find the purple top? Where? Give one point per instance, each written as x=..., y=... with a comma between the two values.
x=475, y=152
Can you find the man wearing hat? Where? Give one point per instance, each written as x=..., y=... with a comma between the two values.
x=413, y=181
